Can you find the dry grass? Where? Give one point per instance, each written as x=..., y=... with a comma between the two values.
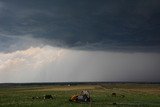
x=66, y=88
x=54, y=88
x=144, y=90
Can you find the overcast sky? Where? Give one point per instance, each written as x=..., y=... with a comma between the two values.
x=79, y=40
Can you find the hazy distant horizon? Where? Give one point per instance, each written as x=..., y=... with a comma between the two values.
x=81, y=82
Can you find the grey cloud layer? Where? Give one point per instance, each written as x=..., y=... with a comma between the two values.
x=106, y=24
x=49, y=64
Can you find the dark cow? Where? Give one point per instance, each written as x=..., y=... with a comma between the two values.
x=36, y=97
x=113, y=94
x=48, y=97
x=122, y=96
x=114, y=103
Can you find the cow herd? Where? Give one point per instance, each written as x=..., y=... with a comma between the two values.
x=43, y=97
x=83, y=97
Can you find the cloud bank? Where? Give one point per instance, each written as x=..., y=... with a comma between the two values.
x=27, y=63
x=51, y=64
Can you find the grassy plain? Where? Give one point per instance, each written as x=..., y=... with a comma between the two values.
x=127, y=95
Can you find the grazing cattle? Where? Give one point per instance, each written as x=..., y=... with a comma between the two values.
x=74, y=98
x=113, y=94
x=33, y=98
x=84, y=96
x=85, y=92
x=114, y=103
x=36, y=97
x=48, y=97
x=122, y=96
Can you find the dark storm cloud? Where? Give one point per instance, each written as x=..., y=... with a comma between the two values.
x=89, y=24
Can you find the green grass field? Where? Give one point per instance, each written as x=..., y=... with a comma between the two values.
x=127, y=95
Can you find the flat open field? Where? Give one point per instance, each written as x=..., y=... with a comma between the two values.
x=127, y=95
